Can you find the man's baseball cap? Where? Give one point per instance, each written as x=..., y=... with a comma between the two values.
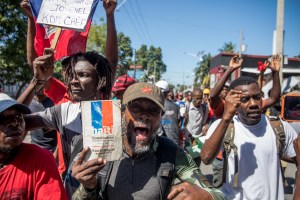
x=163, y=85
x=123, y=82
x=8, y=102
x=144, y=90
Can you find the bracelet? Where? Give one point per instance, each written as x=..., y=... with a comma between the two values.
x=38, y=81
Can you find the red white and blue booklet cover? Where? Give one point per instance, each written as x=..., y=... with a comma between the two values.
x=101, y=125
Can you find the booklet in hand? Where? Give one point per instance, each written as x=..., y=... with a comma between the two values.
x=101, y=126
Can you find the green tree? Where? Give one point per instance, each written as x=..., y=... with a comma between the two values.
x=13, y=29
x=202, y=71
x=151, y=61
x=97, y=42
x=228, y=47
x=125, y=53
x=97, y=37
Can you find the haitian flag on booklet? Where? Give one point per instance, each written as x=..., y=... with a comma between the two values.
x=65, y=14
x=101, y=127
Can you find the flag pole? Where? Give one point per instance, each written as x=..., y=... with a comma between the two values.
x=55, y=39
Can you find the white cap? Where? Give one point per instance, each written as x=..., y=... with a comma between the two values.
x=7, y=102
x=163, y=85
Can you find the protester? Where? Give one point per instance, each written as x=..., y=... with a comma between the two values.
x=44, y=138
x=171, y=96
x=88, y=77
x=137, y=174
x=100, y=74
x=26, y=170
x=297, y=184
x=217, y=101
x=188, y=98
x=170, y=121
x=121, y=84
x=181, y=104
x=256, y=173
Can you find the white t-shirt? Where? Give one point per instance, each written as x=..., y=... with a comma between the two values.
x=259, y=173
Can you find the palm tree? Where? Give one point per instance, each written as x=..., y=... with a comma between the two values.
x=202, y=71
x=228, y=47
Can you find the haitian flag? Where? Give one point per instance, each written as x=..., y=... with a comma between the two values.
x=69, y=42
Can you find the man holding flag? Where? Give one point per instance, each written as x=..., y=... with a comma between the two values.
x=88, y=76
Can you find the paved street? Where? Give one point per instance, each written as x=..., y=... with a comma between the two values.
x=289, y=174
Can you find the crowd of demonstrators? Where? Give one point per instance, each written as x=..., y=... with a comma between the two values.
x=253, y=165
x=26, y=170
x=170, y=121
x=149, y=162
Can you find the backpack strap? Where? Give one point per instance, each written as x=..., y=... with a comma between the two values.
x=228, y=145
x=279, y=133
x=280, y=138
x=166, y=155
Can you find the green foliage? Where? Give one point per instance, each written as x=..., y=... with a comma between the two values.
x=151, y=61
x=97, y=42
x=13, y=29
x=202, y=71
x=125, y=53
x=97, y=37
x=228, y=47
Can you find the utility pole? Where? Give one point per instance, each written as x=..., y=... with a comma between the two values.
x=241, y=49
x=134, y=74
x=154, y=77
x=280, y=34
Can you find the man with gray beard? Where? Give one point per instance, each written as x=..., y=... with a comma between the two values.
x=149, y=163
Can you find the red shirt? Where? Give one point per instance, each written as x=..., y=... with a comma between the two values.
x=31, y=175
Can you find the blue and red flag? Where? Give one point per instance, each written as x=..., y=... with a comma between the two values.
x=102, y=116
x=70, y=41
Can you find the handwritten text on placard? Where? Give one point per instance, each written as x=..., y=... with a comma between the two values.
x=71, y=14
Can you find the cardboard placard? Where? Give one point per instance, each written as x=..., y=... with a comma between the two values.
x=101, y=126
x=71, y=14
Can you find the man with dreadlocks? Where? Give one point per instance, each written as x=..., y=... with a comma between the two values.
x=88, y=77
x=253, y=163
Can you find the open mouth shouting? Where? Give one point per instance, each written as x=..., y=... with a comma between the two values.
x=141, y=133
